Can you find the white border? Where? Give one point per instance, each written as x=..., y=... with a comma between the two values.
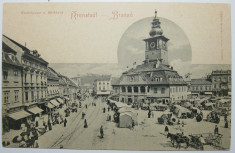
x=28, y=150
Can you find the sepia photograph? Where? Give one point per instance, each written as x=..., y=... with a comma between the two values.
x=117, y=76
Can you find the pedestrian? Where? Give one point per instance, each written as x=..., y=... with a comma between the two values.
x=45, y=125
x=108, y=109
x=36, y=144
x=49, y=124
x=202, y=140
x=104, y=110
x=133, y=124
x=101, y=132
x=149, y=114
x=110, y=117
x=182, y=124
x=216, y=130
x=178, y=122
x=37, y=119
x=86, y=106
x=83, y=115
x=166, y=129
x=226, y=124
x=225, y=116
x=85, y=124
x=152, y=115
x=65, y=122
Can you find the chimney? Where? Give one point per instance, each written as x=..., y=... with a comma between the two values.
x=25, y=44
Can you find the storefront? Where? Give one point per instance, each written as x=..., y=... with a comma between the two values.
x=17, y=118
x=50, y=108
x=36, y=111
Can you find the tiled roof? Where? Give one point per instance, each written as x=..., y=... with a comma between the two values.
x=200, y=81
x=21, y=46
x=25, y=49
x=90, y=78
x=51, y=74
x=69, y=81
x=114, y=80
x=7, y=49
x=148, y=71
x=103, y=78
x=8, y=60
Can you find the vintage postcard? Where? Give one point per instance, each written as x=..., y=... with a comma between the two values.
x=116, y=76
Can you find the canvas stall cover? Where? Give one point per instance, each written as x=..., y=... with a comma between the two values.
x=125, y=120
x=179, y=110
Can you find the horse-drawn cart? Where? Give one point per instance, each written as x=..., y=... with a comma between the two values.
x=209, y=139
x=195, y=142
x=214, y=139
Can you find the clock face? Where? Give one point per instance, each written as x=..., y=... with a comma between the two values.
x=152, y=45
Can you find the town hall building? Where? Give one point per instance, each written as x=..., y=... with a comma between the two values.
x=154, y=80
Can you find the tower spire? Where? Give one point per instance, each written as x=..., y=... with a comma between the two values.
x=156, y=28
x=155, y=14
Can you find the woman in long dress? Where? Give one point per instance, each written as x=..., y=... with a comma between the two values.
x=85, y=124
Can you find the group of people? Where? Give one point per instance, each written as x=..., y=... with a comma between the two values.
x=29, y=135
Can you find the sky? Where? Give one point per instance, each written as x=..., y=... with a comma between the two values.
x=60, y=39
x=131, y=46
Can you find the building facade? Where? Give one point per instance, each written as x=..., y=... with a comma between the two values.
x=12, y=88
x=155, y=80
x=32, y=79
x=200, y=87
x=221, y=82
x=102, y=86
x=52, y=84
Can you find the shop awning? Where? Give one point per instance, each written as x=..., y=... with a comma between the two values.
x=19, y=115
x=49, y=105
x=60, y=100
x=54, y=102
x=35, y=110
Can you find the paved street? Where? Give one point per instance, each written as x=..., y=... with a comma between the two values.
x=147, y=135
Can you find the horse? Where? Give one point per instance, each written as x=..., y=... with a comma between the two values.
x=178, y=139
x=182, y=139
x=173, y=137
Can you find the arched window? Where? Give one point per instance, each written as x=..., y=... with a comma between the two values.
x=142, y=89
x=135, y=89
x=123, y=89
x=129, y=89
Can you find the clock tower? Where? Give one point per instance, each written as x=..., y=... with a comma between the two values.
x=156, y=45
